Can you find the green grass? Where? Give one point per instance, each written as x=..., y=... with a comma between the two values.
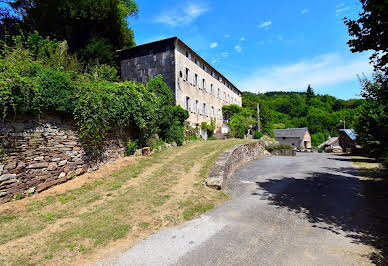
x=109, y=208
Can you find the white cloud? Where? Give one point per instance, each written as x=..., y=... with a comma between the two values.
x=238, y=48
x=227, y=35
x=265, y=24
x=338, y=11
x=339, y=5
x=242, y=38
x=213, y=45
x=304, y=11
x=181, y=16
x=320, y=71
x=280, y=37
x=225, y=54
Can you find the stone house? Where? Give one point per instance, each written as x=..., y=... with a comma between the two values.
x=347, y=139
x=331, y=145
x=298, y=137
x=197, y=86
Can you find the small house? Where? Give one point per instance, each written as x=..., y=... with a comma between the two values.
x=347, y=139
x=298, y=137
x=331, y=145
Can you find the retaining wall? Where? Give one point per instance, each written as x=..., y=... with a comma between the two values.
x=283, y=152
x=230, y=160
x=36, y=154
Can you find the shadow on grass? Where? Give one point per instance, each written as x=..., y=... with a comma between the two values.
x=335, y=201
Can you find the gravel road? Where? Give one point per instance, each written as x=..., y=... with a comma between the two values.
x=309, y=209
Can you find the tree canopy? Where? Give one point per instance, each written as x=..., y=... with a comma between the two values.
x=370, y=32
x=93, y=29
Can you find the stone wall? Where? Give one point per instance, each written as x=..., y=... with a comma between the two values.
x=230, y=160
x=37, y=154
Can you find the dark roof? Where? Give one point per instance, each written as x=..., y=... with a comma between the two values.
x=160, y=46
x=290, y=132
x=350, y=132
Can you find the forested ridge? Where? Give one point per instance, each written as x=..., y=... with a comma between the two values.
x=323, y=115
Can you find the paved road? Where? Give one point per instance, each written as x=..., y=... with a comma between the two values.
x=303, y=210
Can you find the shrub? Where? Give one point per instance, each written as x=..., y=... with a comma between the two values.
x=209, y=128
x=175, y=133
x=257, y=135
x=212, y=138
x=279, y=147
x=131, y=147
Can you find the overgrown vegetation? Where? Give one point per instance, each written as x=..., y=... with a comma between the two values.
x=94, y=30
x=279, y=147
x=38, y=75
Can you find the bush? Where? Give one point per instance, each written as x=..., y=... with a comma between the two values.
x=175, y=133
x=212, y=138
x=131, y=147
x=257, y=135
x=279, y=147
x=209, y=128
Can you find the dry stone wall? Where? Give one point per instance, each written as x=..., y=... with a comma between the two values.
x=36, y=154
x=230, y=160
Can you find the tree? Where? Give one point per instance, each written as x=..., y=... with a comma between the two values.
x=309, y=95
x=370, y=32
x=372, y=121
x=94, y=29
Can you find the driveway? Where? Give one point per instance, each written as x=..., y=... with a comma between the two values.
x=311, y=209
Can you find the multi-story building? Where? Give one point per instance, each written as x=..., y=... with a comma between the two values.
x=198, y=87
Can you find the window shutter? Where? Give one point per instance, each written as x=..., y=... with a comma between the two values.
x=184, y=73
x=200, y=82
x=200, y=108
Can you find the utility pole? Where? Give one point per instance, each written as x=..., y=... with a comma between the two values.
x=258, y=117
x=344, y=122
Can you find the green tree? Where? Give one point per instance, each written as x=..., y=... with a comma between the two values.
x=372, y=121
x=370, y=32
x=309, y=95
x=93, y=29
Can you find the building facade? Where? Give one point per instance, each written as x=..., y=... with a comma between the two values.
x=197, y=86
x=297, y=137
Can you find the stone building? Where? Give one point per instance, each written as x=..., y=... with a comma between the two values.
x=347, y=139
x=298, y=137
x=197, y=86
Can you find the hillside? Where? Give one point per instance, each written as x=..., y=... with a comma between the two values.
x=322, y=114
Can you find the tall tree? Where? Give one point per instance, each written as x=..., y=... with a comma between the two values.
x=370, y=32
x=309, y=95
x=94, y=29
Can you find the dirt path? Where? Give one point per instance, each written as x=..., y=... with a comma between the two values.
x=102, y=213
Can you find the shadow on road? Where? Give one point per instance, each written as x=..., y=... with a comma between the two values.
x=335, y=201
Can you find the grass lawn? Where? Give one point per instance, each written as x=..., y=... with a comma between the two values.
x=79, y=224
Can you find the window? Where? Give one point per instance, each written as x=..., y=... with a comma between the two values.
x=218, y=93
x=197, y=62
x=213, y=74
x=195, y=80
x=212, y=114
x=187, y=104
x=204, y=109
x=204, y=84
x=196, y=106
x=211, y=89
x=187, y=74
x=188, y=55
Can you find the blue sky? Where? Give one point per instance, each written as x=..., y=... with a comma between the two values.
x=264, y=45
